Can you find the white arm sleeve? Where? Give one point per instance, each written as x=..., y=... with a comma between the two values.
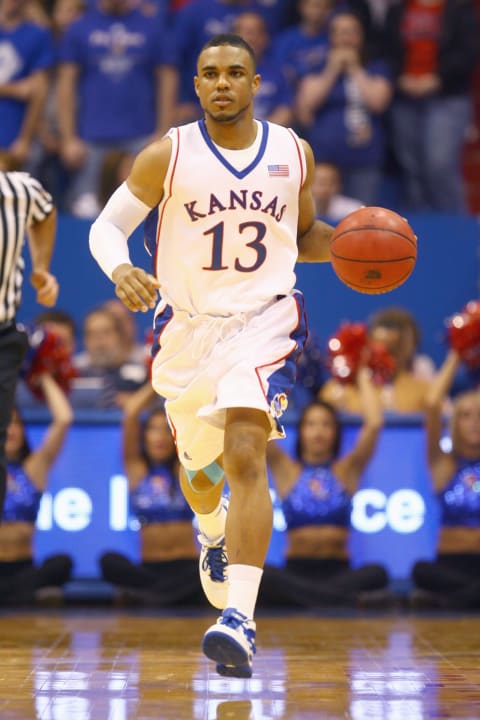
x=110, y=232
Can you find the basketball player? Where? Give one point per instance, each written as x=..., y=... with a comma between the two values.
x=230, y=211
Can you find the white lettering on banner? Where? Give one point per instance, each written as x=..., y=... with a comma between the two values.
x=70, y=509
x=373, y=511
x=118, y=502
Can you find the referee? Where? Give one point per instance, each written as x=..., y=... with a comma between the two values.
x=26, y=209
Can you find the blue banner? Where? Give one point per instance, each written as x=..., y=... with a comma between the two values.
x=85, y=510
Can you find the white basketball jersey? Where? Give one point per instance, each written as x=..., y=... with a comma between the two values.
x=225, y=239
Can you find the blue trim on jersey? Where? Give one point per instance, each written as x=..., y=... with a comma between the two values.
x=160, y=322
x=281, y=381
x=238, y=173
x=150, y=232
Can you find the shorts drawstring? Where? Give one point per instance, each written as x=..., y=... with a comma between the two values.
x=216, y=329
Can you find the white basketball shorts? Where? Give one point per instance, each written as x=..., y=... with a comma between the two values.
x=205, y=364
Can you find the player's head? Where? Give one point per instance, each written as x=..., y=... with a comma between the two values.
x=226, y=79
x=230, y=40
x=319, y=433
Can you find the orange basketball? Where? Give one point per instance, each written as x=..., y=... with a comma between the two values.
x=373, y=250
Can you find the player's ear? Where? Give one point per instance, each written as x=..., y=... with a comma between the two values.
x=195, y=84
x=256, y=83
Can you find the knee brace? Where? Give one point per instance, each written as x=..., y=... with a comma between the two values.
x=214, y=472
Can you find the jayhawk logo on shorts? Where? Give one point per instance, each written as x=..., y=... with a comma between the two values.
x=278, y=405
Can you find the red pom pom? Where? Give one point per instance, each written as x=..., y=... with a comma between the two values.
x=463, y=333
x=345, y=350
x=381, y=363
x=47, y=354
x=350, y=347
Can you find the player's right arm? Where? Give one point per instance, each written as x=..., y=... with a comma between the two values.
x=125, y=210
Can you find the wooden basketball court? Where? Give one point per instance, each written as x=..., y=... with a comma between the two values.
x=110, y=665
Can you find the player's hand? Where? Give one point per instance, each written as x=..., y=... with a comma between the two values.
x=137, y=289
x=46, y=286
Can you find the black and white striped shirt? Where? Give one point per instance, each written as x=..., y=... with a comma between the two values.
x=23, y=202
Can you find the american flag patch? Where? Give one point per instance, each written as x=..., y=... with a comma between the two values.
x=278, y=170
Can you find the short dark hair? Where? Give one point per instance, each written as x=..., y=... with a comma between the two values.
x=233, y=40
x=61, y=317
x=396, y=318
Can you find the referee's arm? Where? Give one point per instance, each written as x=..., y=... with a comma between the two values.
x=41, y=240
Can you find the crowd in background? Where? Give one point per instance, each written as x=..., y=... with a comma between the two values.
x=379, y=88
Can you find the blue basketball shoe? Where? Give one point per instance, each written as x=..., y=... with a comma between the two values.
x=231, y=644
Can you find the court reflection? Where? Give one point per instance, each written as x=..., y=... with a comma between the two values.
x=149, y=667
x=88, y=678
x=263, y=697
x=393, y=683
x=119, y=674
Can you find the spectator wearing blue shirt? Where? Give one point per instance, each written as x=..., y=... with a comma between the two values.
x=44, y=161
x=26, y=52
x=302, y=49
x=341, y=109
x=109, y=92
x=273, y=101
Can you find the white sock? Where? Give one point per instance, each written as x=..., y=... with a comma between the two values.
x=212, y=525
x=243, y=585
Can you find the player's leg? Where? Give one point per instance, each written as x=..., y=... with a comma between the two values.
x=203, y=491
x=250, y=516
x=231, y=642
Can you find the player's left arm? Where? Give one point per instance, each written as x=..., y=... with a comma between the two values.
x=313, y=236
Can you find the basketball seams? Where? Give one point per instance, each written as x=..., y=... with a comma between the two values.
x=374, y=227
